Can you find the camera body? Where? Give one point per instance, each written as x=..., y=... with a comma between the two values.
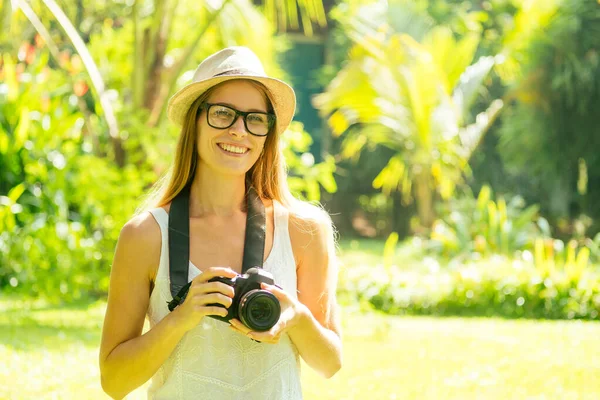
x=256, y=308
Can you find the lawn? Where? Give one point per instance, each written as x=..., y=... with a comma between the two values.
x=51, y=353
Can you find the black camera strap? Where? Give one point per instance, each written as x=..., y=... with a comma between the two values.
x=179, y=240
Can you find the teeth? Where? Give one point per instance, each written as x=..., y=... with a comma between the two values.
x=233, y=149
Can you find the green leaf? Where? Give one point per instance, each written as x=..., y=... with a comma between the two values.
x=16, y=192
x=470, y=83
x=484, y=197
x=312, y=191
x=391, y=175
x=389, y=249
x=3, y=142
x=22, y=130
x=526, y=216
x=10, y=75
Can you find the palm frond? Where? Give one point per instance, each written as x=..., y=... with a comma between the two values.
x=406, y=17
x=470, y=83
x=450, y=55
x=472, y=134
x=284, y=13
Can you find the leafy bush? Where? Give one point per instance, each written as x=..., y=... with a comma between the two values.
x=305, y=177
x=483, y=226
x=62, y=199
x=493, y=287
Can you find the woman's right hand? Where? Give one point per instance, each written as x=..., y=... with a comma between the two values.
x=201, y=293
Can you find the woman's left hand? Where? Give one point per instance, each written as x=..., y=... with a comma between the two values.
x=292, y=311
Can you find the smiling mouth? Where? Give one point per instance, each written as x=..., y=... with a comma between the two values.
x=233, y=149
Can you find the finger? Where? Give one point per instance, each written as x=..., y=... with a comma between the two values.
x=215, y=272
x=264, y=337
x=212, y=310
x=279, y=294
x=279, y=328
x=239, y=326
x=213, y=298
x=214, y=287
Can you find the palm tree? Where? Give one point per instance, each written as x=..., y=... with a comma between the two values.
x=413, y=98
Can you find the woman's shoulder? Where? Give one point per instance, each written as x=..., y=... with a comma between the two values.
x=310, y=227
x=138, y=247
x=307, y=217
x=141, y=231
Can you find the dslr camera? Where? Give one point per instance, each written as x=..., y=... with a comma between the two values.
x=256, y=308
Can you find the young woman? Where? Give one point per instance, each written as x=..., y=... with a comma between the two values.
x=232, y=116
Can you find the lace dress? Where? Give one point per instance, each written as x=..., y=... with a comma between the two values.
x=213, y=362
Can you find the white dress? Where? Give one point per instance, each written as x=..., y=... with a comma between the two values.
x=213, y=362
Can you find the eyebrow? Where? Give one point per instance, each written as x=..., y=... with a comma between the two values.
x=235, y=108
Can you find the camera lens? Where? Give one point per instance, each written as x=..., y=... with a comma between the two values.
x=259, y=310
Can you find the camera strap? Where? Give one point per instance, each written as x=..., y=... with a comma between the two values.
x=179, y=240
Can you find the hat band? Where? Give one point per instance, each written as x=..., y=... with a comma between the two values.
x=238, y=71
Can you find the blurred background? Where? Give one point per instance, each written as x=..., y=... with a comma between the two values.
x=455, y=144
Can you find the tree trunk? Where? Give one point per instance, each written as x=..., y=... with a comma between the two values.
x=424, y=199
x=401, y=215
x=155, y=53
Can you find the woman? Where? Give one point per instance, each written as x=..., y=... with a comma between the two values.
x=232, y=115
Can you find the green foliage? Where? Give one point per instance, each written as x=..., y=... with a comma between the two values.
x=305, y=177
x=412, y=97
x=64, y=205
x=489, y=287
x=551, y=255
x=552, y=126
x=472, y=227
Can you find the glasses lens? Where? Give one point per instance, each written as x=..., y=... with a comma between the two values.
x=223, y=117
x=258, y=123
x=220, y=116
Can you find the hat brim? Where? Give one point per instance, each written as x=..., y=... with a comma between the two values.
x=282, y=97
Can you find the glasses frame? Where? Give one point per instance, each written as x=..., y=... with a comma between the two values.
x=271, y=118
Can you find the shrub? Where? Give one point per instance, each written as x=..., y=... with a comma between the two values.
x=62, y=199
x=478, y=227
x=496, y=286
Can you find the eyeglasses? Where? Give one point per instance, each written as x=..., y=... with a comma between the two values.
x=222, y=117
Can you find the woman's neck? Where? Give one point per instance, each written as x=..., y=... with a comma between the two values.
x=214, y=194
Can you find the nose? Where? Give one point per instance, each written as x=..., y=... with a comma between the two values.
x=238, y=128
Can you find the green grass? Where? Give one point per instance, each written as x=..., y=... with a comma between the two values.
x=51, y=353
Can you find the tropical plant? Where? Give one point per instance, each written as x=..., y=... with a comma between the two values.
x=306, y=178
x=551, y=131
x=479, y=227
x=413, y=98
x=61, y=206
x=494, y=287
x=552, y=256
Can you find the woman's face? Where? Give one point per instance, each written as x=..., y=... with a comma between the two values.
x=232, y=150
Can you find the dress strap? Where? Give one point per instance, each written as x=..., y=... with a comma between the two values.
x=161, y=217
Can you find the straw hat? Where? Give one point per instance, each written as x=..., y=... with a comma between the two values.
x=233, y=63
